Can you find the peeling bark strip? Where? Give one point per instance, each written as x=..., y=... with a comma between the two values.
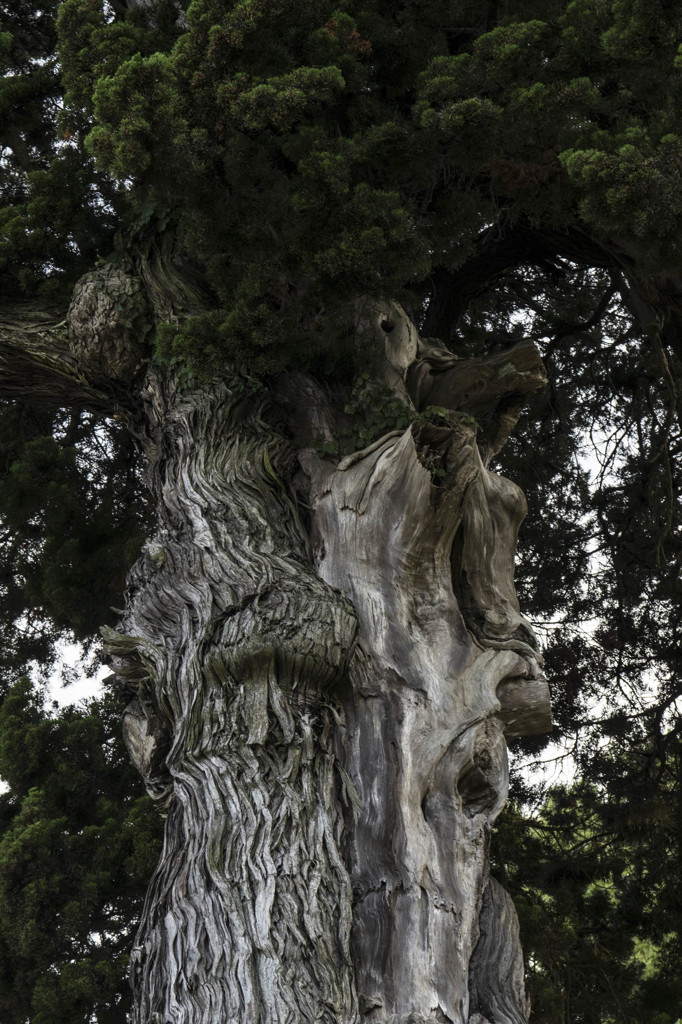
x=233, y=644
x=293, y=886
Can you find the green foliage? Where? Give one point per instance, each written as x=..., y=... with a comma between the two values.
x=73, y=519
x=317, y=151
x=595, y=879
x=93, y=46
x=130, y=98
x=74, y=545
x=55, y=208
x=322, y=148
x=253, y=107
x=77, y=844
x=280, y=102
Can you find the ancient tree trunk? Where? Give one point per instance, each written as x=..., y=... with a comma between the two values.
x=324, y=661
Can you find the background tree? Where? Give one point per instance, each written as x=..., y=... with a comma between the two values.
x=79, y=841
x=500, y=171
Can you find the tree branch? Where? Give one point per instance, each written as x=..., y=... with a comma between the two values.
x=493, y=389
x=36, y=363
x=453, y=290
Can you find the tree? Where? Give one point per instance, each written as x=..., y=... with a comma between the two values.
x=595, y=878
x=333, y=229
x=78, y=841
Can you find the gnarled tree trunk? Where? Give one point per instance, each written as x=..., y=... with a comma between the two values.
x=324, y=661
x=235, y=645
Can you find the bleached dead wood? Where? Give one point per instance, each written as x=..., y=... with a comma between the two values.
x=424, y=742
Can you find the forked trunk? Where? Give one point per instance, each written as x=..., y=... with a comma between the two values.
x=320, y=703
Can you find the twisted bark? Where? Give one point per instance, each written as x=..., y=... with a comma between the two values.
x=234, y=644
x=38, y=364
x=321, y=708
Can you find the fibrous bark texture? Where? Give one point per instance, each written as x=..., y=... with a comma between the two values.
x=108, y=318
x=233, y=645
x=321, y=703
x=38, y=364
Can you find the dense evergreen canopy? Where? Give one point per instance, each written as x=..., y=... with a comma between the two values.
x=503, y=170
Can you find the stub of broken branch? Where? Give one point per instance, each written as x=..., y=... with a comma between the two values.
x=525, y=706
x=492, y=389
x=37, y=364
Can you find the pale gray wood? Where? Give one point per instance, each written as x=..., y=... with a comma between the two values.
x=423, y=741
x=496, y=970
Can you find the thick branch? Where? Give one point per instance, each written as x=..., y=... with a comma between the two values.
x=453, y=290
x=37, y=365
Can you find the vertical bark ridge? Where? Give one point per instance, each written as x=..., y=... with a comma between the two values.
x=248, y=915
x=234, y=645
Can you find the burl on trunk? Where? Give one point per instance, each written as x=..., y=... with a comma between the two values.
x=325, y=662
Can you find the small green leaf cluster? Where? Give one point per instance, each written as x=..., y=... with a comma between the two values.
x=633, y=187
x=282, y=101
x=198, y=347
x=373, y=410
x=131, y=98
